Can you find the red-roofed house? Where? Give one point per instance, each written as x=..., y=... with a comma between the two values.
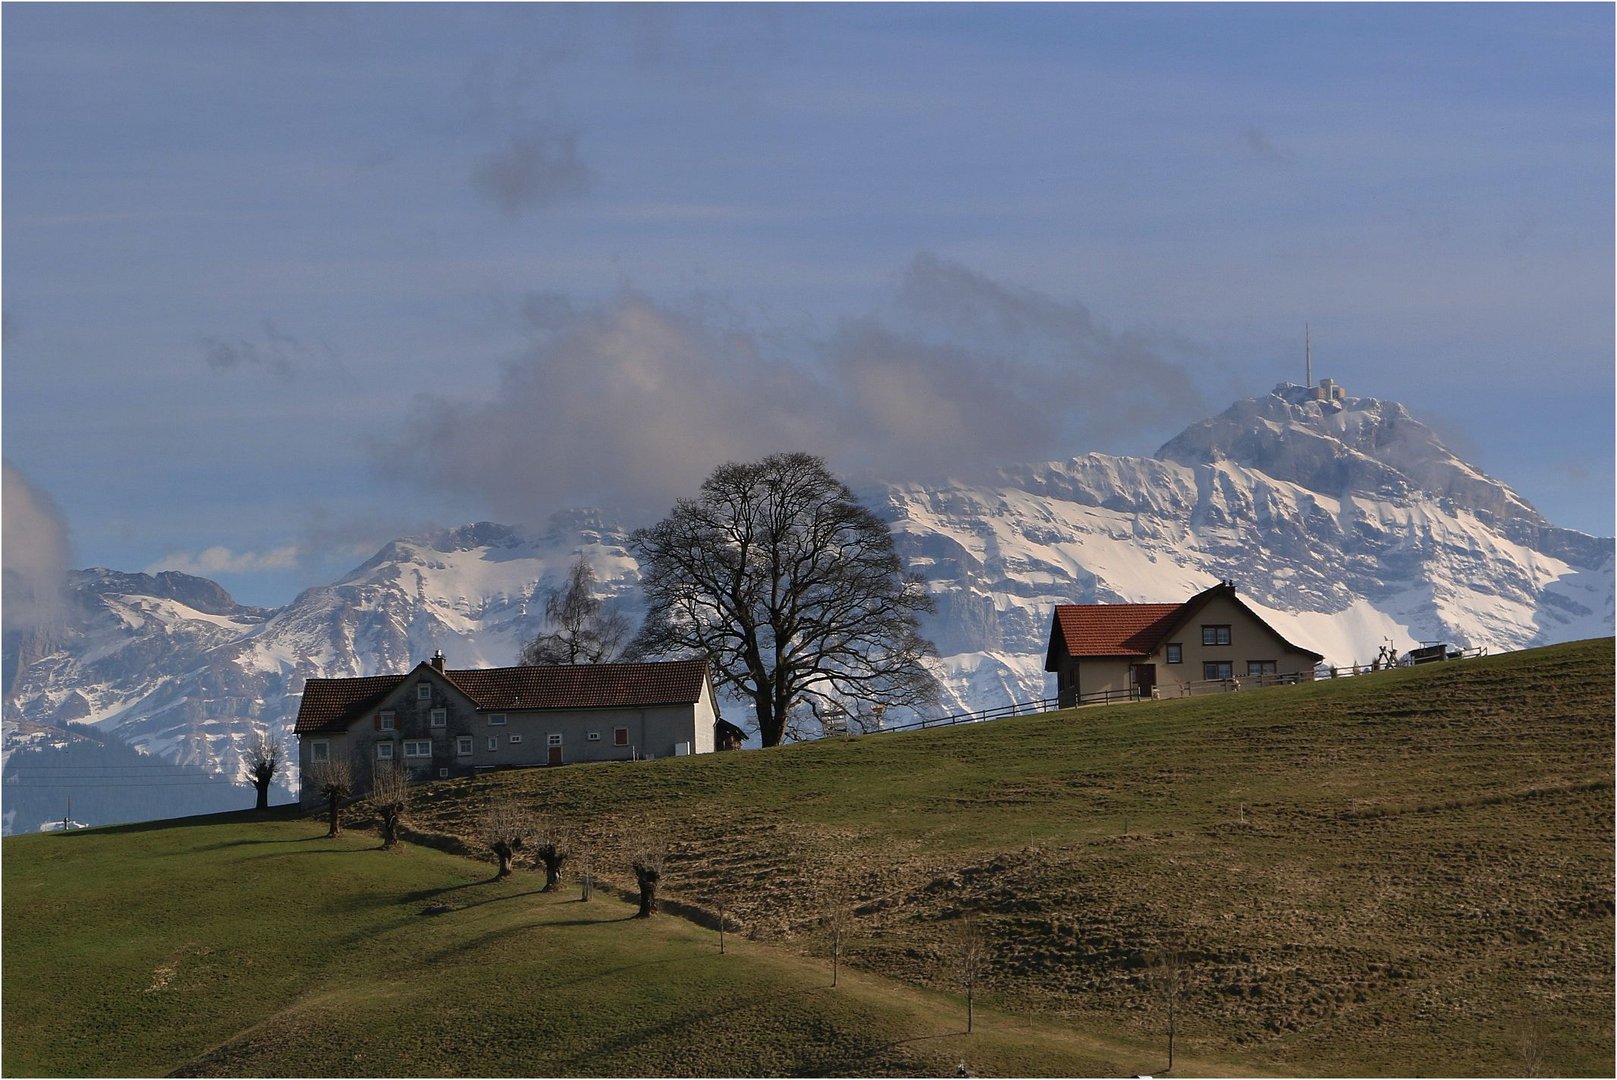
x=440, y=723
x=1111, y=651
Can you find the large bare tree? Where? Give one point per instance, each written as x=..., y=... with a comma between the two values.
x=794, y=591
x=262, y=761
x=579, y=630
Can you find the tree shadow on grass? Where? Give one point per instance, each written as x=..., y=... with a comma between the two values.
x=858, y=1062
x=243, y=843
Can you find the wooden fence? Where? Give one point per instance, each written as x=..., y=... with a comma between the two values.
x=1112, y=697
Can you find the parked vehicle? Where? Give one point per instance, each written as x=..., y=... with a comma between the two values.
x=1430, y=652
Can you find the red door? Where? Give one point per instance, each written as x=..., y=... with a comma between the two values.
x=555, y=755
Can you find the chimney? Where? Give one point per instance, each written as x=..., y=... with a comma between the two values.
x=438, y=661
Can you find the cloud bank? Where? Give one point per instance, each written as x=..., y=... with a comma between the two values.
x=630, y=405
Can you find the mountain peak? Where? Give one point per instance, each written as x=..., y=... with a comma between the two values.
x=1330, y=442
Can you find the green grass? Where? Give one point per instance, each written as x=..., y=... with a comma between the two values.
x=1381, y=875
x=237, y=946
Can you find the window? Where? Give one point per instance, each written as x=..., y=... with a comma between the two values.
x=553, y=740
x=594, y=736
x=440, y=717
x=1176, y=653
x=384, y=751
x=496, y=719
x=1217, y=669
x=319, y=752
x=443, y=774
x=1260, y=667
x=384, y=720
x=515, y=739
x=463, y=746
x=423, y=691
x=620, y=736
x=493, y=742
x=418, y=748
x=1215, y=635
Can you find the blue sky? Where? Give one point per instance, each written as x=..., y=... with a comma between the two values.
x=284, y=282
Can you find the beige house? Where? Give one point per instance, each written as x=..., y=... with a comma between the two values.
x=441, y=723
x=1213, y=641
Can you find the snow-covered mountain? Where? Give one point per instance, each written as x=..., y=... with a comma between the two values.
x=1344, y=521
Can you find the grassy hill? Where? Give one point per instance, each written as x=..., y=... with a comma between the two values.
x=1394, y=874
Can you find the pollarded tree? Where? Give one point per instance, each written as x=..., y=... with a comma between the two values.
x=334, y=780
x=260, y=764
x=793, y=590
x=506, y=828
x=389, y=798
x=552, y=847
x=579, y=629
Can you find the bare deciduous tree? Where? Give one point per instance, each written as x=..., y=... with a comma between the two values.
x=793, y=589
x=967, y=953
x=390, y=798
x=334, y=780
x=260, y=763
x=647, y=864
x=1166, y=974
x=579, y=629
x=506, y=828
x=553, y=846
x=1530, y=1037
x=833, y=892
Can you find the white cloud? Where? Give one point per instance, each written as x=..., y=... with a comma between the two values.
x=631, y=405
x=221, y=560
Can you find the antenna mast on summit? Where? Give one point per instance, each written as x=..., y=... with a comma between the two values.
x=1308, y=357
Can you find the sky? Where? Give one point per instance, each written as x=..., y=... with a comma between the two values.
x=284, y=282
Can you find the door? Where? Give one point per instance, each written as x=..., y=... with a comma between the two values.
x=1145, y=679
x=555, y=756
x=553, y=748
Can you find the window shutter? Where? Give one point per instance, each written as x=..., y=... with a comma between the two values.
x=377, y=721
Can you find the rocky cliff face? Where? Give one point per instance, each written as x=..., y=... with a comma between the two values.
x=1344, y=522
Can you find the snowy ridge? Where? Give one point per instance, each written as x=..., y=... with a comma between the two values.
x=1343, y=522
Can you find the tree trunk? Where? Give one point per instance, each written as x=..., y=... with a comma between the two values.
x=647, y=877
x=552, y=861
x=771, y=727
x=390, y=829
x=503, y=851
x=263, y=787
x=334, y=809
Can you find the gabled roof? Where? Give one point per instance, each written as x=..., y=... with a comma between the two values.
x=331, y=705
x=1125, y=630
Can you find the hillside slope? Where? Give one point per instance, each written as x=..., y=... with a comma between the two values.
x=1393, y=874
x=1376, y=875
x=245, y=946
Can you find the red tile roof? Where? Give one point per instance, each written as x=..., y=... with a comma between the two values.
x=334, y=704
x=1114, y=629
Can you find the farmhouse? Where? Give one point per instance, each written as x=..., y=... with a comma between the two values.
x=439, y=723
x=1112, y=652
